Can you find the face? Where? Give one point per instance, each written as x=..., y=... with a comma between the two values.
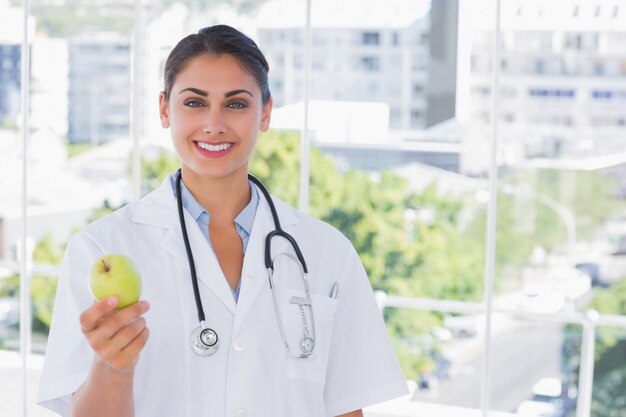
x=215, y=113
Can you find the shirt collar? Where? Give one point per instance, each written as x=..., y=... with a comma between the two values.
x=245, y=219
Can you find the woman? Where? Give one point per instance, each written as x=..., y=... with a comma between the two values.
x=309, y=344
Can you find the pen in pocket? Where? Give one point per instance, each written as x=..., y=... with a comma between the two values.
x=334, y=290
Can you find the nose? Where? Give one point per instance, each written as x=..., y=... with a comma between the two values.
x=214, y=122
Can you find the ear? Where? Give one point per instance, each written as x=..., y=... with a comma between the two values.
x=164, y=111
x=266, y=116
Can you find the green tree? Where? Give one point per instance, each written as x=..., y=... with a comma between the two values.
x=524, y=222
x=609, y=393
x=590, y=195
x=43, y=287
x=610, y=301
x=154, y=169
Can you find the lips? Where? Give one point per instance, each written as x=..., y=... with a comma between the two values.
x=214, y=147
x=213, y=150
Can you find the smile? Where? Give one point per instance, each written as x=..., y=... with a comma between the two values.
x=214, y=148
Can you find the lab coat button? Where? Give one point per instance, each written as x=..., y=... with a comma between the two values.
x=242, y=413
x=240, y=345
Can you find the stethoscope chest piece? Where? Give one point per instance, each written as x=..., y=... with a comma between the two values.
x=306, y=346
x=204, y=341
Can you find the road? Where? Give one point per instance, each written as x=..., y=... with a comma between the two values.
x=522, y=353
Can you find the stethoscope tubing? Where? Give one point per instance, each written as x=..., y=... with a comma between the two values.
x=269, y=263
x=278, y=231
x=192, y=264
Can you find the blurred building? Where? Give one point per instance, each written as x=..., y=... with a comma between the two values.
x=562, y=76
x=9, y=80
x=11, y=33
x=391, y=52
x=357, y=135
x=99, y=87
x=49, y=85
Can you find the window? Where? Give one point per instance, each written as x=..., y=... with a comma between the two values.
x=298, y=62
x=602, y=94
x=552, y=93
x=395, y=38
x=421, y=231
x=416, y=116
x=370, y=63
x=370, y=38
x=599, y=68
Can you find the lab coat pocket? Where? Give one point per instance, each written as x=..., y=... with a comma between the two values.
x=312, y=368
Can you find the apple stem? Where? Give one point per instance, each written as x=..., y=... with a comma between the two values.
x=106, y=266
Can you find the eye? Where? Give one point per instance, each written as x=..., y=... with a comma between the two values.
x=193, y=103
x=237, y=105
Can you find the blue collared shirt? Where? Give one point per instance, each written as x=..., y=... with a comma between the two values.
x=243, y=221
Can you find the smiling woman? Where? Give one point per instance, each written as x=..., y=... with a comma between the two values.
x=277, y=339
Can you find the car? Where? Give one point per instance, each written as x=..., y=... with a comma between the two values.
x=541, y=298
x=464, y=326
x=530, y=408
x=549, y=398
x=548, y=389
x=593, y=270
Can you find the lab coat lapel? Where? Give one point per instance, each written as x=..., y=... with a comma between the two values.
x=207, y=266
x=159, y=209
x=254, y=273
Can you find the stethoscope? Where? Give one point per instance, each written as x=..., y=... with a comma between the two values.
x=204, y=340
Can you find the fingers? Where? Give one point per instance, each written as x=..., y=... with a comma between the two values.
x=122, y=338
x=127, y=357
x=91, y=317
x=110, y=324
x=130, y=353
x=116, y=336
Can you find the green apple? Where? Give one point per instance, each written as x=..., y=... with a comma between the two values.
x=115, y=275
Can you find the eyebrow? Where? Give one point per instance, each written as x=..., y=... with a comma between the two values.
x=205, y=94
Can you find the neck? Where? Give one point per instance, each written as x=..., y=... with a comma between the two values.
x=224, y=198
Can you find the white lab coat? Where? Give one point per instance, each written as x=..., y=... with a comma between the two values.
x=353, y=364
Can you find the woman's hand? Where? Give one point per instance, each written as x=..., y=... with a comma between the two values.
x=116, y=336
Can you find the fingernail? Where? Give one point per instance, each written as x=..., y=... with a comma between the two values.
x=112, y=301
x=145, y=305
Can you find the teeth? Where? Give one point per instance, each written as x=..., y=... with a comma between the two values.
x=214, y=148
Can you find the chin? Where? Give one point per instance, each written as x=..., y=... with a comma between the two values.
x=216, y=172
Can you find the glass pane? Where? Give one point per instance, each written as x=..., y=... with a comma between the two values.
x=11, y=21
x=79, y=148
x=386, y=144
x=386, y=151
x=560, y=121
x=533, y=365
x=560, y=200
x=10, y=173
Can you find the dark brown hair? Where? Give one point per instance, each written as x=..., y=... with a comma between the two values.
x=218, y=40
